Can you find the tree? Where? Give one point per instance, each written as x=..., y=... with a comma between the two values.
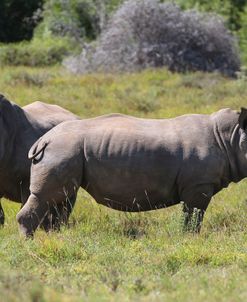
x=17, y=20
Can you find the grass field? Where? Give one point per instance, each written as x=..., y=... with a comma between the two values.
x=106, y=255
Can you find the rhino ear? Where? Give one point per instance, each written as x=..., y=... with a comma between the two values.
x=242, y=120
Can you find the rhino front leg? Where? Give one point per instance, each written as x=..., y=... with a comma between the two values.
x=59, y=214
x=31, y=215
x=196, y=201
x=64, y=211
x=1, y=215
x=192, y=219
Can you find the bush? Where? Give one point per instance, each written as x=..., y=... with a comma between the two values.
x=147, y=33
x=234, y=13
x=36, y=53
x=77, y=19
x=26, y=78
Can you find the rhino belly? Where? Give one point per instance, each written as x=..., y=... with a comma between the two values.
x=133, y=184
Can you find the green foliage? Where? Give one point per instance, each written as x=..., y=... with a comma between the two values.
x=243, y=35
x=17, y=19
x=230, y=9
x=40, y=52
x=78, y=19
x=84, y=18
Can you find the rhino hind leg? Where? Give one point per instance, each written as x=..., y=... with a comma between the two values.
x=195, y=204
x=31, y=215
x=1, y=215
x=58, y=215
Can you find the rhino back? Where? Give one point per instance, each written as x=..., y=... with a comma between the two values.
x=44, y=116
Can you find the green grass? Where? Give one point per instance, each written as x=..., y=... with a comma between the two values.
x=106, y=255
x=38, y=52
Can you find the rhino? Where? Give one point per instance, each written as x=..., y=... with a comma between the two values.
x=135, y=164
x=20, y=128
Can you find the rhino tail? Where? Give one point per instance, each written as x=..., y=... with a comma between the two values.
x=38, y=147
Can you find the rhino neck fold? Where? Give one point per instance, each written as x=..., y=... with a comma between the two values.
x=226, y=133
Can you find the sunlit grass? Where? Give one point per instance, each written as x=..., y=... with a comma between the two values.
x=105, y=255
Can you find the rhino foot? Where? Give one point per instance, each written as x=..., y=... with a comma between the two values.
x=196, y=199
x=193, y=220
x=1, y=216
x=31, y=215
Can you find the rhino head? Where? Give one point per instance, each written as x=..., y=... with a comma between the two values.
x=242, y=121
x=7, y=125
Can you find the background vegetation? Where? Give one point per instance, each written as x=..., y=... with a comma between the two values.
x=82, y=21
x=147, y=33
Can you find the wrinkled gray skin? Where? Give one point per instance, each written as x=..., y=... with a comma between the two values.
x=133, y=164
x=20, y=128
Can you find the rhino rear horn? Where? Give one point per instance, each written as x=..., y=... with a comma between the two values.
x=242, y=120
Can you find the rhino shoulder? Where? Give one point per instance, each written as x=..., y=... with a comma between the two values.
x=222, y=113
x=39, y=107
x=225, y=116
x=112, y=115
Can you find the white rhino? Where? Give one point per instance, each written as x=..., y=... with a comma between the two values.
x=133, y=164
x=20, y=128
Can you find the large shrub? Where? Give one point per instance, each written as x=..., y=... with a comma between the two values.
x=147, y=33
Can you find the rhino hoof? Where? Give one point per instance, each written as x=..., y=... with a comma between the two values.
x=25, y=226
x=1, y=217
